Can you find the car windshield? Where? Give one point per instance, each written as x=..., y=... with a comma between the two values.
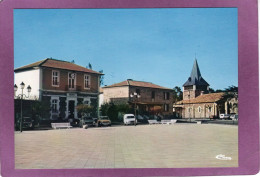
x=88, y=118
x=104, y=118
x=129, y=117
x=26, y=119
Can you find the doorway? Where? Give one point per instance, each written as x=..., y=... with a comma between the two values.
x=71, y=108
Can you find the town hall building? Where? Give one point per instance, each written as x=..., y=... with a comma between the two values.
x=61, y=84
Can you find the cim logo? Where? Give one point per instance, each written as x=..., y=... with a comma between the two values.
x=223, y=157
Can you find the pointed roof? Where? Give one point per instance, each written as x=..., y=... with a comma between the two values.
x=57, y=64
x=130, y=82
x=195, y=76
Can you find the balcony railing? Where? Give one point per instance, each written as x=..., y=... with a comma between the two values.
x=75, y=88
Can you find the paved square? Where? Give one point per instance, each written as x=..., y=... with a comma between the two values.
x=143, y=146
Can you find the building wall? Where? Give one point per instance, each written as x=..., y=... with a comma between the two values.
x=146, y=95
x=193, y=92
x=115, y=93
x=122, y=95
x=201, y=110
x=63, y=85
x=32, y=78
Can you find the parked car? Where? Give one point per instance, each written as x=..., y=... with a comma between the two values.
x=103, y=121
x=28, y=123
x=234, y=116
x=74, y=122
x=129, y=119
x=224, y=116
x=87, y=120
x=213, y=117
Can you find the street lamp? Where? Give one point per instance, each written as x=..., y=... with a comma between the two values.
x=136, y=96
x=29, y=89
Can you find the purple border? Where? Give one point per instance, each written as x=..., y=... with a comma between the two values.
x=248, y=86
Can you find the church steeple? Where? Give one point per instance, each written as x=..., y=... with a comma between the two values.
x=195, y=73
x=195, y=76
x=195, y=85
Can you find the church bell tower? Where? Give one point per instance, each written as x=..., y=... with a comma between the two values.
x=195, y=85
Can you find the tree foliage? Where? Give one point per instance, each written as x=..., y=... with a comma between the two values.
x=113, y=110
x=89, y=66
x=177, y=94
x=231, y=88
x=84, y=109
x=101, y=81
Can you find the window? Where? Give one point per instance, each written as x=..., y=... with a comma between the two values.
x=209, y=109
x=166, y=107
x=137, y=91
x=189, y=109
x=72, y=80
x=153, y=94
x=166, y=95
x=199, y=109
x=86, y=81
x=55, y=78
x=54, y=105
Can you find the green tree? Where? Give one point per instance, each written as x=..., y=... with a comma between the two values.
x=84, y=109
x=229, y=94
x=89, y=66
x=101, y=81
x=231, y=88
x=177, y=94
x=112, y=112
x=104, y=109
x=211, y=90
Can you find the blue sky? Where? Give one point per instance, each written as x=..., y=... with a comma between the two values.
x=154, y=45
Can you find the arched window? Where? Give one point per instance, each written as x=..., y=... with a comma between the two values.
x=199, y=109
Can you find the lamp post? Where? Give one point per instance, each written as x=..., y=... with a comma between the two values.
x=136, y=96
x=22, y=96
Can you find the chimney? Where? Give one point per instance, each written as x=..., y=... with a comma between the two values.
x=202, y=93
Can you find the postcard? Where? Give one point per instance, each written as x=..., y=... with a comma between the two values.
x=129, y=88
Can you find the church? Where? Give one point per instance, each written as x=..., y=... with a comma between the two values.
x=199, y=103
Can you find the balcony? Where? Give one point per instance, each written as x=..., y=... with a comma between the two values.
x=75, y=88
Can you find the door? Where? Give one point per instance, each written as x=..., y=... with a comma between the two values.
x=71, y=108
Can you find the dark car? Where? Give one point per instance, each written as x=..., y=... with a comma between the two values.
x=87, y=121
x=27, y=123
x=74, y=122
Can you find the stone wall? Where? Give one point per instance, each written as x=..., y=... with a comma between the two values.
x=201, y=110
x=115, y=93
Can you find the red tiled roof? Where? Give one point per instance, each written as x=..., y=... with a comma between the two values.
x=58, y=64
x=205, y=98
x=130, y=82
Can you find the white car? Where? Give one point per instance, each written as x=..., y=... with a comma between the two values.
x=224, y=116
x=129, y=119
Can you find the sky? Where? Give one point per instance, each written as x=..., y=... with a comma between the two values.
x=157, y=45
